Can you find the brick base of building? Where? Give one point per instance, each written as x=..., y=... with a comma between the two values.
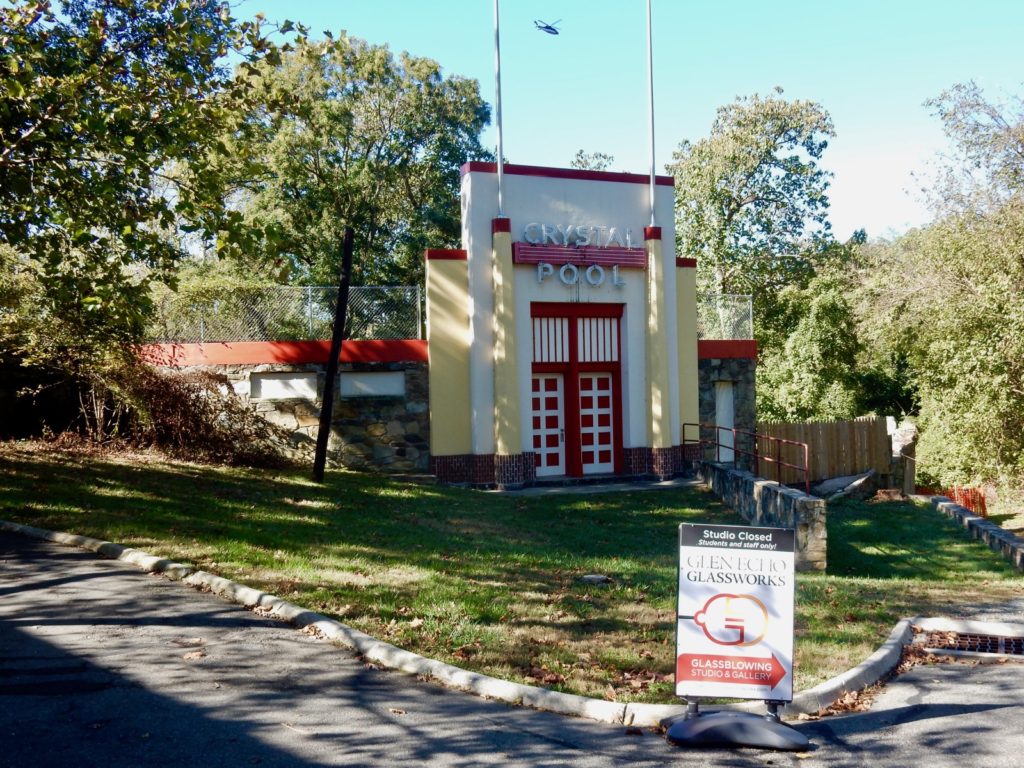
x=519, y=470
x=482, y=469
x=637, y=461
x=662, y=463
x=486, y=470
x=666, y=462
x=514, y=471
x=453, y=470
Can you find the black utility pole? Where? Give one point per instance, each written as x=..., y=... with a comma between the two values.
x=330, y=379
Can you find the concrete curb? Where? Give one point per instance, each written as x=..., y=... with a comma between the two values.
x=1005, y=543
x=970, y=627
x=874, y=668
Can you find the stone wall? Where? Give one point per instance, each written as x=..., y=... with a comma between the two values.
x=741, y=372
x=765, y=503
x=1006, y=543
x=386, y=433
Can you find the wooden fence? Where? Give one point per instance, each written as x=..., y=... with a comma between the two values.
x=835, y=448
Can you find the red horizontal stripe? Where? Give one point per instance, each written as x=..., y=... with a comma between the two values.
x=560, y=309
x=476, y=166
x=501, y=224
x=690, y=263
x=652, y=233
x=726, y=349
x=284, y=352
x=454, y=254
x=527, y=253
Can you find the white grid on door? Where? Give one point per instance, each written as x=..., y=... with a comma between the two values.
x=550, y=339
x=596, y=428
x=598, y=339
x=548, y=428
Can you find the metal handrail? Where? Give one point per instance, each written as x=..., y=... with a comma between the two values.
x=757, y=455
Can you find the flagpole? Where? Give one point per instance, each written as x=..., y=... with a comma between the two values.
x=497, y=112
x=650, y=107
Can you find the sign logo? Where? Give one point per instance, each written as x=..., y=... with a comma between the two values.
x=733, y=620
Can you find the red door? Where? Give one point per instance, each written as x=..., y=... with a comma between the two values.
x=576, y=386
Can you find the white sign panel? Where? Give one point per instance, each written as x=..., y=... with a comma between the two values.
x=734, y=627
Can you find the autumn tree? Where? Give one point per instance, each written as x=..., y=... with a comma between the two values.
x=344, y=133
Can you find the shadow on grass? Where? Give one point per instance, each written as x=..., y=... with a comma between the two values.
x=352, y=514
x=902, y=540
x=376, y=552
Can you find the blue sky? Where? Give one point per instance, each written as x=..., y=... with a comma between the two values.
x=871, y=64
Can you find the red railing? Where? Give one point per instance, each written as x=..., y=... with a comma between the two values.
x=772, y=456
x=967, y=497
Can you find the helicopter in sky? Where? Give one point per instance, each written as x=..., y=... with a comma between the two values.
x=550, y=27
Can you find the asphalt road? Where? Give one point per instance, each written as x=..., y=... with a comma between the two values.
x=102, y=665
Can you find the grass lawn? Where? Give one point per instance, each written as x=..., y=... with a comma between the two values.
x=1008, y=511
x=492, y=582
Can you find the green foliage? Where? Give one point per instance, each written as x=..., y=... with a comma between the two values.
x=812, y=375
x=591, y=161
x=988, y=167
x=945, y=300
x=344, y=133
x=948, y=297
x=98, y=98
x=751, y=201
x=18, y=291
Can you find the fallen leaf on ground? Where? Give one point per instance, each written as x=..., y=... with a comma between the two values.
x=193, y=655
x=396, y=711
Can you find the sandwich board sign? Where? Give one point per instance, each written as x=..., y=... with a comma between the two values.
x=734, y=625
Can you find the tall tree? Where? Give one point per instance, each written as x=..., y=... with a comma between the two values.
x=98, y=99
x=946, y=298
x=346, y=134
x=751, y=202
x=987, y=167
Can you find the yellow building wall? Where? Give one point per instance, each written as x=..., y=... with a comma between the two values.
x=507, y=437
x=686, y=335
x=659, y=396
x=448, y=350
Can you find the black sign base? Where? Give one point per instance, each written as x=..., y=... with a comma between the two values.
x=736, y=729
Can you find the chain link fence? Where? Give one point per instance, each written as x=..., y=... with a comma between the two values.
x=725, y=316
x=285, y=313
x=299, y=313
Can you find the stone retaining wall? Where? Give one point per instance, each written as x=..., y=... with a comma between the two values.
x=762, y=502
x=386, y=433
x=1007, y=544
